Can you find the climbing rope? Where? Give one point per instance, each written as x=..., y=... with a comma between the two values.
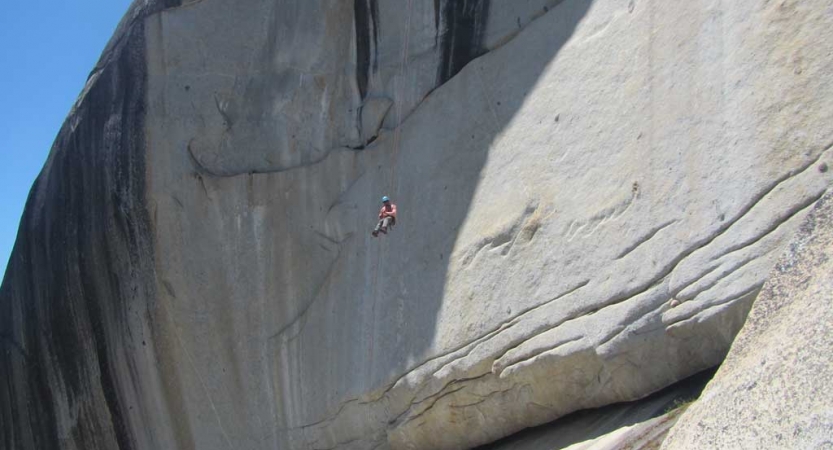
x=393, y=186
x=397, y=134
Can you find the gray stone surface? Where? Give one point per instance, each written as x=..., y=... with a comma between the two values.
x=555, y=195
x=773, y=389
x=631, y=425
x=593, y=164
x=643, y=436
x=77, y=366
x=372, y=114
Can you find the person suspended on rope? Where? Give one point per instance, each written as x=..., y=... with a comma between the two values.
x=387, y=217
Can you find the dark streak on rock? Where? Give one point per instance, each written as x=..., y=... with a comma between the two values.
x=374, y=18
x=82, y=261
x=366, y=13
x=464, y=28
x=7, y=340
x=436, y=22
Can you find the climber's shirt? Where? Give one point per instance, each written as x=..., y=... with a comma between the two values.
x=388, y=211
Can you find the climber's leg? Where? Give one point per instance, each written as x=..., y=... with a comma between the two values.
x=385, y=223
x=378, y=228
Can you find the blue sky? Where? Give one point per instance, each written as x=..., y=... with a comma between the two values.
x=47, y=49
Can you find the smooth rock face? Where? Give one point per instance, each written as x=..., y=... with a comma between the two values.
x=587, y=210
x=773, y=390
x=644, y=436
x=641, y=423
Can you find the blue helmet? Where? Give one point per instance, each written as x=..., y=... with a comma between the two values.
x=385, y=199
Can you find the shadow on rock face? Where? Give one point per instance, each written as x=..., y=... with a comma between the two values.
x=276, y=272
x=375, y=321
x=195, y=270
x=590, y=424
x=81, y=268
x=179, y=298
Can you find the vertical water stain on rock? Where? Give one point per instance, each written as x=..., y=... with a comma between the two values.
x=374, y=16
x=463, y=27
x=366, y=13
x=436, y=22
x=82, y=261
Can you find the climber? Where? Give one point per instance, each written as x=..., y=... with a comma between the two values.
x=387, y=217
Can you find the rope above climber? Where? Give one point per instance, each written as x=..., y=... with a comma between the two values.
x=387, y=217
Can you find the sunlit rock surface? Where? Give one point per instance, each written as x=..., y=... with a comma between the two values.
x=773, y=390
x=591, y=195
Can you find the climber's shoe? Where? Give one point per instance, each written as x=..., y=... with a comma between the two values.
x=374, y=233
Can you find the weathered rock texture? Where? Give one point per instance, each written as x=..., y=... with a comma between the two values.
x=643, y=436
x=639, y=424
x=773, y=390
x=591, y=194
x=75, y=299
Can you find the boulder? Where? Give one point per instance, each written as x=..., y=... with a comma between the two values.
x=773, y=389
